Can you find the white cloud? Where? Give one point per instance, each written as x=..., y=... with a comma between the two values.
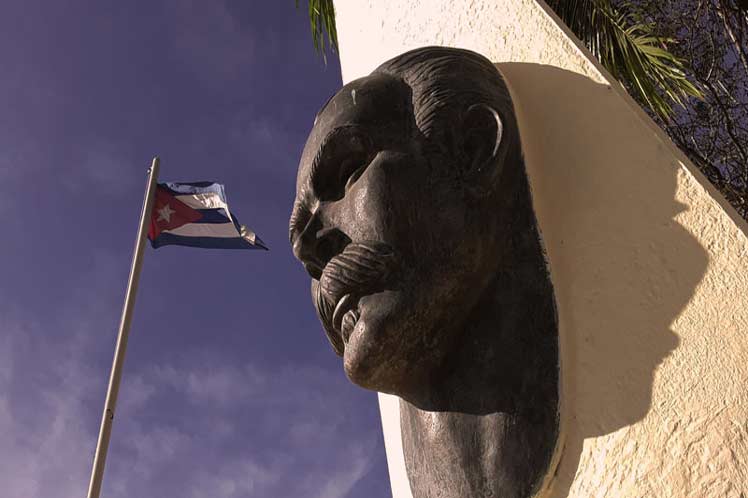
x=134, y=394
x=46, y=443
x=200, y=426
x=155, y=446
x=209, y=381
x=239, y=478
x=342, y=480
x=315, y=446
x=194, y=422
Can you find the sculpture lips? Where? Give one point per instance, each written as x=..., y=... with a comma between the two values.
x=347, y=303
x=362, y=268
x=348, y=323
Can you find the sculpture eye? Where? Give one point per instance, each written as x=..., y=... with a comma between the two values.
x=351, y=172
x=342, y=163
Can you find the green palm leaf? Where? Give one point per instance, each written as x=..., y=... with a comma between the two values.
x=322, y=21
x=625, y=45
x=628, y=48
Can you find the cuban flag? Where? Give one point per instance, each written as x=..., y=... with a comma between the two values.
x=196, y=215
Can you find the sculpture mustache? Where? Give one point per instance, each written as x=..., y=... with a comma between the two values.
x=362, y=268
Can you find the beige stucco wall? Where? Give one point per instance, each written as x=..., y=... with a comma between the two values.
x=649, y=263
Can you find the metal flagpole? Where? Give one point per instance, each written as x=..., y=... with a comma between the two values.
x=97, y=473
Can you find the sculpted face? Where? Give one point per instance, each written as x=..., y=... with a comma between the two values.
x=413, y=217
x=392, y=233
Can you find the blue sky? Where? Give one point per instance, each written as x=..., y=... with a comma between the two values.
x=230, y=388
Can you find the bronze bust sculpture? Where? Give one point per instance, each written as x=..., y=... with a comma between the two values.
x=414, y=218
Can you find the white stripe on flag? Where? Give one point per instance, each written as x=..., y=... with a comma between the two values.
x=222, y=230
x=203, y=201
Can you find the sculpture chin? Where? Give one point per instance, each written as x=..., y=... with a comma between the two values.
x=370, y=360
x=356, y=363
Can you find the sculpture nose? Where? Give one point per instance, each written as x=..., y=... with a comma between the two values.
x=315, y=246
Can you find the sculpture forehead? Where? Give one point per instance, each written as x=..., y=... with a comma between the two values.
x=375, y=99
x=372, y=103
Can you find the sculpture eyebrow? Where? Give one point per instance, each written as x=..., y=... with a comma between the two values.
x=317, y=161
x=318, y=158
x=297, y=221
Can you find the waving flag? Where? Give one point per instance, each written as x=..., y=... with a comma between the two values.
x=196, y=215
x=185, y=214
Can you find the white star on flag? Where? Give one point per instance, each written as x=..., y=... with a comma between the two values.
x=165, y=213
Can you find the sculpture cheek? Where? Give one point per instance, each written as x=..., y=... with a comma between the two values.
x=377, y=206
x=369, y=207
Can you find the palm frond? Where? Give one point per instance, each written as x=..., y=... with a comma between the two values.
x=629, y=48
x=322, y=22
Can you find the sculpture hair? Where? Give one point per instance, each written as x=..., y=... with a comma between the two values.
x=446, y=81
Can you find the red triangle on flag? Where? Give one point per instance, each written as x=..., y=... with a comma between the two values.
x=169, y=213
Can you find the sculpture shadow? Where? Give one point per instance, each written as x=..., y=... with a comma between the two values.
x=604, y=189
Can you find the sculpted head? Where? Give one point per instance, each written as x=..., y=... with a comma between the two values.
x=403, y=212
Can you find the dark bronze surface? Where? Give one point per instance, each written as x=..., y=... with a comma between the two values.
x=413, y=216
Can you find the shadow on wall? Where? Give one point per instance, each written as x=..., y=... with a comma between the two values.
x=623, y=268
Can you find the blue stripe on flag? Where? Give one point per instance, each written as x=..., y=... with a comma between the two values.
x=236, y=223
x=212, y=216
x=238, y=226
x=166, y=239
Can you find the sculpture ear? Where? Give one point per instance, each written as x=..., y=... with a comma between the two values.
x=482, y=131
